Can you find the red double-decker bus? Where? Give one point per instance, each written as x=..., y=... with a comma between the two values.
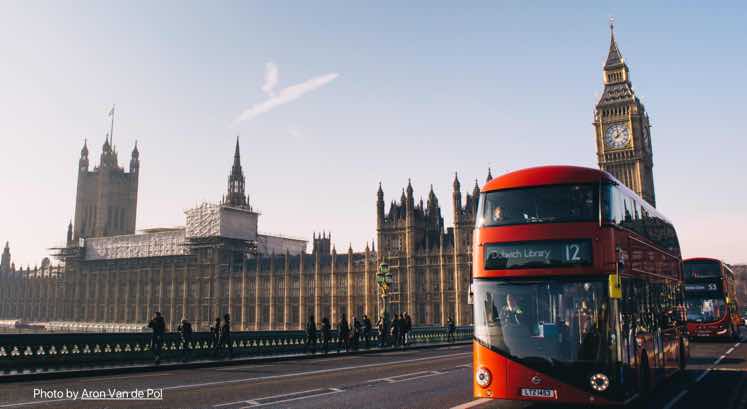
x=577, y=289
x=710, y=296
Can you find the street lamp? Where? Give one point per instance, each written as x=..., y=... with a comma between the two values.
x=384, y=280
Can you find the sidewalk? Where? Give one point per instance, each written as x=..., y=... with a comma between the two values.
x=115, y=369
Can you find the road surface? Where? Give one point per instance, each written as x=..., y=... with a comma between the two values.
x=428, y=378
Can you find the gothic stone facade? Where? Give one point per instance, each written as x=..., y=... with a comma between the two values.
x=266, y=283
x=431, y=267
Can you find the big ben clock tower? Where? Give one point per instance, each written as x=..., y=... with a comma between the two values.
x=622, y=128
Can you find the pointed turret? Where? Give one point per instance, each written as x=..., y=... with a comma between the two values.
x=70, y=233
x=614, y=57
x=83, y=162
x=236, y=181
x=410, y=196
x=432, y=199
x=615, y=70
x=108, y=155
x=379, y=207
x=5, y=264
x=135, y=160
x=456, y=198
x=490, y=176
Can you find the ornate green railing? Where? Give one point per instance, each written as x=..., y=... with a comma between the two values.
x=22, y=352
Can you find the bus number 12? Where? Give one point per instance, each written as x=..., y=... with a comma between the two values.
x=572, y=251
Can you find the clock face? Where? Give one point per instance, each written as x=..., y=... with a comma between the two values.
x=616, y=136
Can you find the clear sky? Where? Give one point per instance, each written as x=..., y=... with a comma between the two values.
x=330, y=98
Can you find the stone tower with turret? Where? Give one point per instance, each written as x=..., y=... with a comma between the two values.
x=622, y=128
x=106, y=197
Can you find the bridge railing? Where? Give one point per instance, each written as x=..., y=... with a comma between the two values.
x=19, y=352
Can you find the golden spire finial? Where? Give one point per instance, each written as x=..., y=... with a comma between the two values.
x=612, y=23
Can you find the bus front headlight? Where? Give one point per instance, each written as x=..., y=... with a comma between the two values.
x=482, y=377
x=600, y=382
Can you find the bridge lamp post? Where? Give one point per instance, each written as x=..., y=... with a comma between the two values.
x=384, y=280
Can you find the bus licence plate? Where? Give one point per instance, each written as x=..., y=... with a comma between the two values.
x=539, y=393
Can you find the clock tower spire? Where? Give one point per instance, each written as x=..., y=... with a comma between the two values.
x=622, y=128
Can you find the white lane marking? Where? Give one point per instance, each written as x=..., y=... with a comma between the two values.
x=703, y=375
x=464, y=366
x=230, y=368
x=406, y=377
x=675, y=400
x=36, y=402
x=320, y=371
x=737, y=344
x=471, y=404
x=728, y=369
x=630, y=399
x=729, y=351
x=132, y=376
x=332, y=391
x=254, y=401
x=718, y=361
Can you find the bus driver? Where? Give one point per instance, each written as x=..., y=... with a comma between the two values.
x=512, y=313
x=497, y=214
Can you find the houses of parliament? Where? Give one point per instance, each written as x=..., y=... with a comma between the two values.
x=218, y=262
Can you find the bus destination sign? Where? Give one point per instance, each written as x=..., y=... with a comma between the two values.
x=703, y=286
x=536, y=254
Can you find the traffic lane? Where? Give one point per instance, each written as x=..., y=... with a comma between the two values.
x=720, y=383
x=440, y=386
x=10, y=392
x=205, y=386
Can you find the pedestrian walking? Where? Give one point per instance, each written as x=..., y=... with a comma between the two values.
x=326, y=329
x=225, y=336
x=402, y=329
x=343, y=334
x=310, y=335
x=382, y=332
x=158, y=324
x=366, y=329
x=357, y=329
x=215, y=336
x=396, y=329
x=185, y=330
x=451, y=329
x=408, y=328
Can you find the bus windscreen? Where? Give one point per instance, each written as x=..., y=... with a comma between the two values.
x=702, y=269
x=544, y=204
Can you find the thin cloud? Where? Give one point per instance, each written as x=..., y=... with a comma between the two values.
x=284, y=95
x=271, y=79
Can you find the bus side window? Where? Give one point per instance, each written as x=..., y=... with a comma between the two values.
x=644, y=306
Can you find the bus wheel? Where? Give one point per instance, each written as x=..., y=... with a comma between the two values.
x=644, y=379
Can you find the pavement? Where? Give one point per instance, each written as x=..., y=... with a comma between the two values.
x=427, y=378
